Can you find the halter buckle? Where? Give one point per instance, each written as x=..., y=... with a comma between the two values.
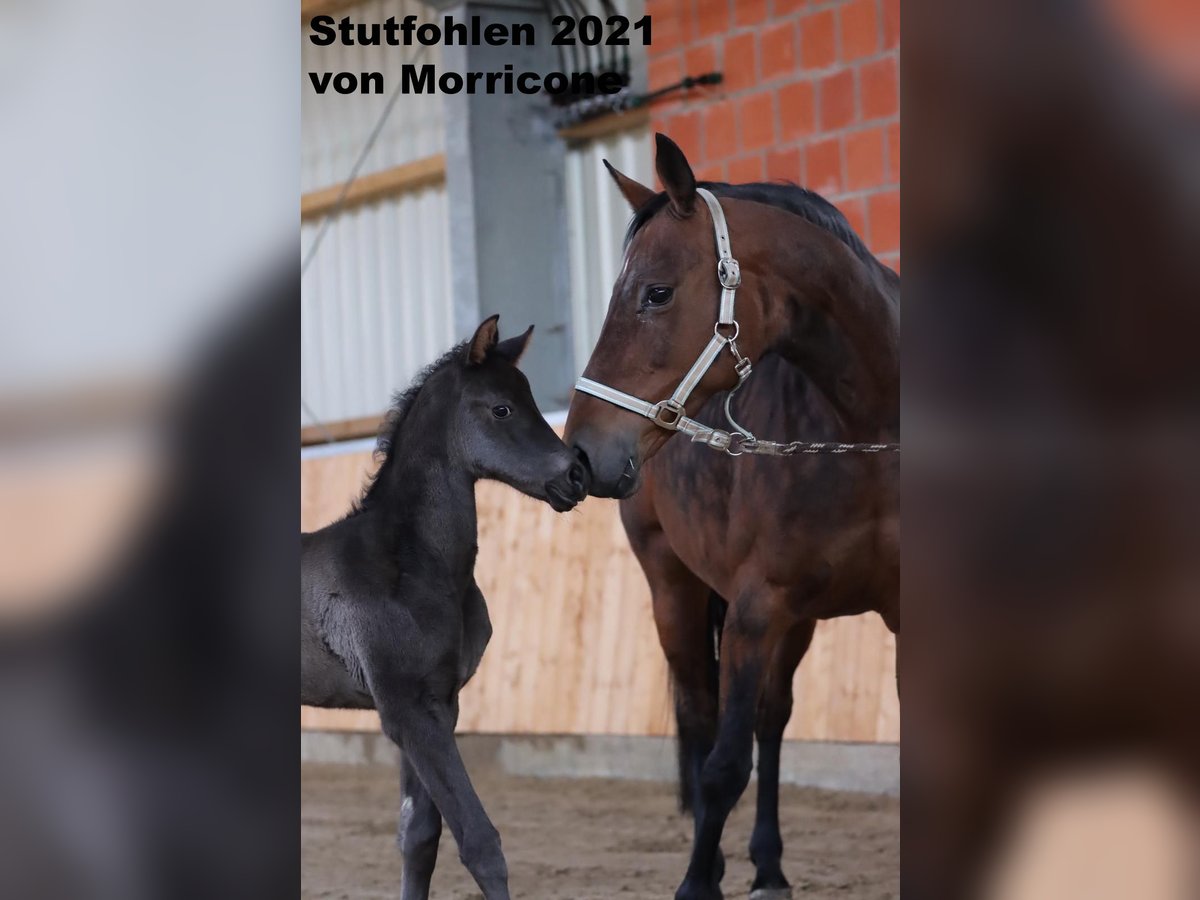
x=667, y=414
x=729, y=272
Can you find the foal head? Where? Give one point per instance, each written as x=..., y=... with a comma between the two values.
x=498, y=430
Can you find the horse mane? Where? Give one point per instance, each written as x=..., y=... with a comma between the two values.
x=394, y=418
x=800, y=201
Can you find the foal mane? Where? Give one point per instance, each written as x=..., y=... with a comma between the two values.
x=393, y=420
x=800, y=201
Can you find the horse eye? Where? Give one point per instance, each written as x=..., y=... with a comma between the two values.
x=501, y=411
x=658, y=296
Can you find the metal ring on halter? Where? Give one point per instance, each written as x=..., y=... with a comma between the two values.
x=740, y=443
x=737, y=329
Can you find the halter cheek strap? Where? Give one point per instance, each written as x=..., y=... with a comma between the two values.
x=669, y=413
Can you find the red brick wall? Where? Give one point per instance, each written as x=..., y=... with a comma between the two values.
x=811, y=95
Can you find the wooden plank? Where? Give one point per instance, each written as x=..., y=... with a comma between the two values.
x=603, y=126
x=341, y=430
x=575, y=650
x=419, y=173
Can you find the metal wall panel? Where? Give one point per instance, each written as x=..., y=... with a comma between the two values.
x=597, y=215
x=375, y=303
x=334, y=127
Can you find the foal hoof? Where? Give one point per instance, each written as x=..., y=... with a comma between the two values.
x=783, y=893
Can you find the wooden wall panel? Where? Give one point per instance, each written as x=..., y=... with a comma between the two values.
x=574, y=649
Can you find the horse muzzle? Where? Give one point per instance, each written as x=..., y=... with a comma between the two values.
x=565, y=491
x=612, y=481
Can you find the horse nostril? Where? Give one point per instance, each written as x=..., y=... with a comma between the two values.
x=578, y=477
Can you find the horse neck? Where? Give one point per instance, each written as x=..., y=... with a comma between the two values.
x=829, y=313
x=421, y=480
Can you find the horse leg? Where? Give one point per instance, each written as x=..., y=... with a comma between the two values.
x=420, y=830
x=684, y=614
x=747, y=644
x=774, y=710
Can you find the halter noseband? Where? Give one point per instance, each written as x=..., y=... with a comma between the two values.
x=669, y=413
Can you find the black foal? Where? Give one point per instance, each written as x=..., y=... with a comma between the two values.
x=391, y=617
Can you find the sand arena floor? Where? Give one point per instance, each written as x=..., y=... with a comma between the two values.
x=590, y=839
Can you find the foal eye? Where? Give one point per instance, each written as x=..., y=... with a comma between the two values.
x=501, y=411
x=658, y=296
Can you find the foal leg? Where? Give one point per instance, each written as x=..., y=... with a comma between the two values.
x=424, y=729
x=774, y=710
x=420, y=830
x=748, y=643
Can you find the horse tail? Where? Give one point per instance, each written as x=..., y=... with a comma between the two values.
x=689, y=758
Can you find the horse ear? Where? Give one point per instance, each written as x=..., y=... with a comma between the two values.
x=675, y=174
x=483, y=341
x=514, y=348
x=635, y=193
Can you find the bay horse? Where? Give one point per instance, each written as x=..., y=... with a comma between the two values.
x=744, y=556
x=391, y=618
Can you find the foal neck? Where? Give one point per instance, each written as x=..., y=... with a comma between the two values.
x=422, y=477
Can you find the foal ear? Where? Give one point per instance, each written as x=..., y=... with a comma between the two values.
x=484, y=340
x=635, y=193
x=675, y=174
x=513, y=349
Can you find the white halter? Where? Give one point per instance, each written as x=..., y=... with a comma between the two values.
x=669, y=413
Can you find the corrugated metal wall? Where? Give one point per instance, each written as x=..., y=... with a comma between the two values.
x=334, y=127
x=597, y=215
x=375, y=304
x=375, y=300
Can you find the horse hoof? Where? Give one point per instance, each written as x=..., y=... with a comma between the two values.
x=784, y=893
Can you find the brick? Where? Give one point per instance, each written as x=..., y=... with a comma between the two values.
x=664, y=70
x=866, y=165
x=784, y=165
x=823, y=162
x=756, y=120
x=783, y=7
x=670, y=18
x=684, y=130
x=818, y=40
x=778, y=55
x=740, y=57
x=883, y=211
x=720, y=131
x=700, y=58
x=797, y=111
x=836, y=100
x=891, y=24
x=711, y=172
x=744, y=169
x=749, y=12
x=880, y=89
x=893, y=140
x=859, y=29
x=711, y=17
x=855, y=211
